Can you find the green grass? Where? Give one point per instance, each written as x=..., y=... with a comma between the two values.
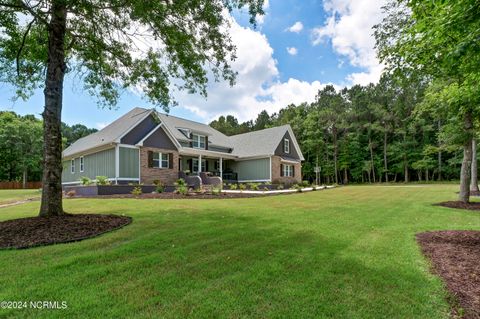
x=342, y=253
x=13, y=195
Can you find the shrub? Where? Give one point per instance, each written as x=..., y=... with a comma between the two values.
x=280, y=186
x=233, y=187
x=216, y=191
x=159, y=186
x=182, y=189
x=266, y=189
x=254, y=186
x=137, y=191
x=298, y=187
x=180, y=182
x=305, y=183
x=242, y=187
x=86, y=181
x=102, y=180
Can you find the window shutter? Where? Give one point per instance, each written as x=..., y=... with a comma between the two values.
x=293, y=170
x=191, y=143
x=170, y=160
x=281, y=169
x=206, y=146
x=150, y=159
x=206, y=165
x=190, y=165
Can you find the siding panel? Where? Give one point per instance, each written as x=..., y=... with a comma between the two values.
x=97, y=164
x=255, y=170
x=129, y=162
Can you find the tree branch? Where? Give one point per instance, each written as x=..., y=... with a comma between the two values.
x=19, y=52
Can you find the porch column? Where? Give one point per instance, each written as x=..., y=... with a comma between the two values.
x=221, y=168
x=199, y=163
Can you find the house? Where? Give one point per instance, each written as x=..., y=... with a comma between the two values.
x=146, y=146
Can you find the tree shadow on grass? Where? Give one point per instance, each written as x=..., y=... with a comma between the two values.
x=219, y=265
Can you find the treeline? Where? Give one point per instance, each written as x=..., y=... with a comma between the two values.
x=373, y=133
x=21, y=142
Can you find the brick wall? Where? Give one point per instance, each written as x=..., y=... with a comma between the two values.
x=168, y=176
x=276, y=175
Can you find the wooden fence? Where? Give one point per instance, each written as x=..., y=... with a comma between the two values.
x=19, y=185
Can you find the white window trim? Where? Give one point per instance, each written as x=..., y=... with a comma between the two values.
x=204, y=165
x=286, y=145
x=287, y=170
x=160, y=160
x=82, y=164
x=196, y=138
x=72, y=166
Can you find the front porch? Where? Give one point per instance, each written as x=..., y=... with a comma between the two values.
x=202, y=165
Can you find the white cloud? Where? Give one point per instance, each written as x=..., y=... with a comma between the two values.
x=296, y=27
x=257, y=87
x=349, y=28
x=292, y=50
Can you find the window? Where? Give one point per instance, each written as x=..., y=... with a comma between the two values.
x=286, y=145
x=160, y=160
x=72, y=166
x=288, y=170
x=82, y=166
x=185, y=131
x=195, y=165
x=198, y=141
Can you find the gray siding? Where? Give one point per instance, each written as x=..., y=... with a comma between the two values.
x=129, y=162
x=97, y=164
x=140, y=131
x=255, y=170
x=293, y=152
x=159, y=139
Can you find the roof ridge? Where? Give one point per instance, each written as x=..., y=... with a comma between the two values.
x=258, y=131
x=184, y=119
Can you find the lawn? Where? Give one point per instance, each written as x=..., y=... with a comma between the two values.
x=13, y=195
x=343, y=253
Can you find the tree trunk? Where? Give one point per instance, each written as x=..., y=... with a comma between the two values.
x=345, y=176
x=439, y=154
x=405, y=168
x=385, y=163
x=335, y=152
x=474, y=177
x=371, y=157
x=24, y=180
x=466, y=169
x=52, y=148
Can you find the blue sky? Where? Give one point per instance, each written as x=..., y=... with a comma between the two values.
x=297, y=48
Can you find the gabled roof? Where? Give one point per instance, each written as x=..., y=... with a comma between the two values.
x=258, y=143
x=173, y=124
x=109, y=134
x=262, y=142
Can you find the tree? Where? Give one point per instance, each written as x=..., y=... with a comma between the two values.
x=21, y=144
x=113, y=45
x=438, y=39
x=332, y=111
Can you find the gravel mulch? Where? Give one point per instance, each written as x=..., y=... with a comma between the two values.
x=455, y=256
x=461, y=205
x=41, y=231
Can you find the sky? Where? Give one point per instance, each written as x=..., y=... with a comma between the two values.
x=296, y=49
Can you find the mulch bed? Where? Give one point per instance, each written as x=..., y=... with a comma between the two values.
x=172, y=195
x=455, y=257
x=41, y=231
x=461, y=205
